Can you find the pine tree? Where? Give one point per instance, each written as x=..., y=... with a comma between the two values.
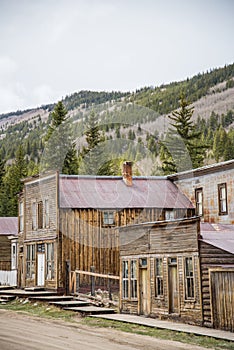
x=60, y=151
x=94, y=156
x=12, y=184
x=182, y=149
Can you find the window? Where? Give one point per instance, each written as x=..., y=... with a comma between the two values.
x=169, y=215
x=30, y=262
x=199, y=201
x=34, y=216
x=222, y=191
x=189, y=278
x=40, y=215
x=50, y=261
x=21, y=216
x=158, y=277
x=46, y=213
x=133, y=279
x=125, y=279
x=108, y=218
x=14, y=256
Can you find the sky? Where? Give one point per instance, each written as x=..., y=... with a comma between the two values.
x=53, y=48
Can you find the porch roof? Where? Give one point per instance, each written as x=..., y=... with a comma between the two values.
x=102, y=192
x=218, y=235
x=8, y=226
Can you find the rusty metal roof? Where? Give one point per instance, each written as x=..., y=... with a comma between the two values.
x=218, y=235
x=8, y=226
x=111, y=192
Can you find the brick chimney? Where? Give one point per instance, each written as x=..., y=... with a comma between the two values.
x=127, y=173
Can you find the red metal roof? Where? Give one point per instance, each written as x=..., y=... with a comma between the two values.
x=111, y=192
x=8, y=226
x=218, y=235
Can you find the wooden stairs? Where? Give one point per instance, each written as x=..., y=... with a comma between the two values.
x=83, y=306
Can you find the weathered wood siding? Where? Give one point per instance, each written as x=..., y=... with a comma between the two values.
x=222, y=296
x=86, y=242
x=5, y=253
x=164, y=237
x=36, y=191
x=166, y=241
x=210, y=257
x=209, y=182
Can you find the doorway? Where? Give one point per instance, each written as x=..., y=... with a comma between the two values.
x=143, y=292
x=41, y=269
x=173, y=286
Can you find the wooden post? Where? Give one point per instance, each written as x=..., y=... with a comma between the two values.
x=77, y=283
x=68, y=268
x=109, y=288
x=92, y=269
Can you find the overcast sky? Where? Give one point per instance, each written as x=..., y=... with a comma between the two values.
x=52, y=48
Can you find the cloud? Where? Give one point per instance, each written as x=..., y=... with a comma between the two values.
x=7, y=67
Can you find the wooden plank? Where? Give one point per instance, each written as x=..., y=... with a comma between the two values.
x=97, y=274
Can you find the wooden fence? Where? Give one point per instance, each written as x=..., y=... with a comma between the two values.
x=74, y=279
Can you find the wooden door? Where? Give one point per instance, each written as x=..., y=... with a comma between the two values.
x=222, y=297
x=143, y=292
x=173, y=289
x=40, y=269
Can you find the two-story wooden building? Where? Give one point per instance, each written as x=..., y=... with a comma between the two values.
x=71, y=220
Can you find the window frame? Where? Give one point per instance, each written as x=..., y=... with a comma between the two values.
x=31, y=261
x=21, y=216
x=199, y=204
x=221, y=200
x=50, y=261
x=108, y=218
x=125, y=279
x=40, y=215
x=34, y=216
x=189, y=278
x=133, y=279
x=159, y=288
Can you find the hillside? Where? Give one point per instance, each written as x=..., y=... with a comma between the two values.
x=137, y=116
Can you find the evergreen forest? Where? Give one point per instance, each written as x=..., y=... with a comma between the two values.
x=94, y=132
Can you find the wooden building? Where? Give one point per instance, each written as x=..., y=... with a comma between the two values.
x=8, y=250
x=216, y=250
x=160, y=270
x=68, y=222
x=211, y=190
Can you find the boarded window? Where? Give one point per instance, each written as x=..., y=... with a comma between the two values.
x=50, y=261
x=222, y=192
x=189, y=278
x=30, y=262
x=108, y=218
x=34, y=216
x=40, y=214
x=199, y=201
x=158, y=277
x=133, y=279
x=125, y=279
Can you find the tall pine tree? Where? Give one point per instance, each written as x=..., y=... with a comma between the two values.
x=12, y=184
x=182, y=149
x=95, y=158
x=60, y=151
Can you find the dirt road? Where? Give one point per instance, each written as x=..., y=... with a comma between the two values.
x=20, y=332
